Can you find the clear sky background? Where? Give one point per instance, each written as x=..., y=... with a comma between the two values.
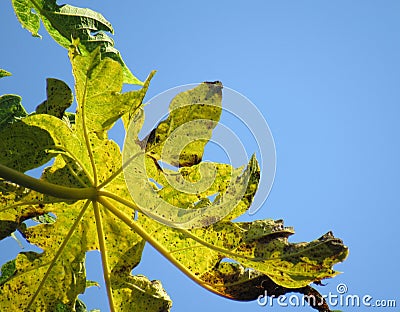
x=325, y=75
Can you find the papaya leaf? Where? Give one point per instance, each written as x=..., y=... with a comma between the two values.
x=140, y=295
x=193, y=115
x=78, y=307
x=29, y=20
x=182, y=198
x=59, y=98
x=11, y=109
x=4, y=73
x=83, y=159
x=65, y=22
x=86, y=192
x=191, y=186
x=7, y=228
x=7, y=270
x=103, y=108
x=233, y=281
x=24, y=147
x=13, y=195
x=174, y=187
x=260, y=245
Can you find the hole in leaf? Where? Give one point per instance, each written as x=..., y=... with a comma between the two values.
x=212, y=197
x=228, y=260
x=117, y=133
x=37, y=172
x=159, y=186
x=215, y=152
x=94, y=297
x=20, y=243
x=164, y=165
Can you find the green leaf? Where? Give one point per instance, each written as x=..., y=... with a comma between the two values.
x=83, y=159
x=29, y=19
x=59, y=98
x=234, y=281
x=68, y=281
x=65, y=23
x=180, y=139
x=85, y=191
x=14, y=211
x=4, y=73
x=183, y=197
x=137, y=294
x=260, y=245
x=100, y=97
x=11, y=109
x=92, y=284
x=183, y=200
x=78, y=307
x=7, y=228
x=24, y=147
x=7, y=270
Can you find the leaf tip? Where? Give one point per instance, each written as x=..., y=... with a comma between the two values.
x=4, y=73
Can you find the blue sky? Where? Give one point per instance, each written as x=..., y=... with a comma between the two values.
x=326, y=77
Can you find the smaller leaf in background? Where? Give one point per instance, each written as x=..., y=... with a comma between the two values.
x=4, y=73
x=79, y=306
x=11, y=109
x=24, y=147
x=90, y=283
x=133, y=101
x=66, y=22
x=59, y=98
x=7, y=270
x=7, y=228
x=29, y=19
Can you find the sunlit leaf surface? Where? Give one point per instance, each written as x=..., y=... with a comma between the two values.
x=83, y=200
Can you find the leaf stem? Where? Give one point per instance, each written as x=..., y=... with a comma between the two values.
x=103, y=252
x=153, y=242
x=30, y=203
x=45, y=187
x=58, y=254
